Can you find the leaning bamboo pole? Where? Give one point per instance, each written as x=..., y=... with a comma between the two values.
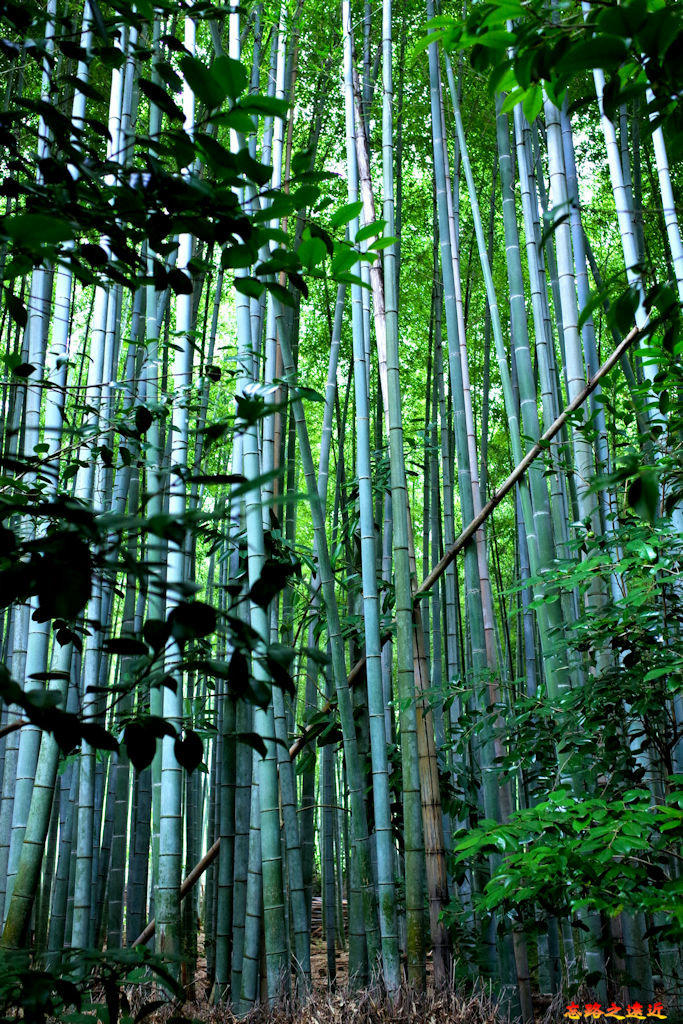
x=518, y=472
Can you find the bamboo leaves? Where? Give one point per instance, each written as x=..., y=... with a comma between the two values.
x=224, y=78
x=622, y=40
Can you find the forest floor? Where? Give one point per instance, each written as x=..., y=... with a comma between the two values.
x=346, y=1006
x=342, y=1004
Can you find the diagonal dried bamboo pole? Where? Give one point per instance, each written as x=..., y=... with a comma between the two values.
x=519, y=470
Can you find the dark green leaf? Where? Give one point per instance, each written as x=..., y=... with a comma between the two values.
x=281, y=294
x=253, y=740
x=624, y=309
x=216, y=478
x=249, y=286
x=24, y=370
x=47, y=699
x=370, y=231
x=158, y=726
x=166, y=526
x=179, y=281
x=140, y=745
x=36, y=229
x=532, y=104
x=273, y=579
x=147, y=1009
x=279, y=674
x=238, y=673
x=643, y=495
x=237, y=257
x=156, y=632
x=189, y=751
x=311, y=252
x=230, y=75
x=344, y=259
x=191, y=620
x=345, y=214
x=143, y=419
x=202, y=82
x=16, y=308
x=98, y=737
x=601, y=51
x=264, y=105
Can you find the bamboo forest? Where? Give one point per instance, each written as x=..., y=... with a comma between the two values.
x=341, y=501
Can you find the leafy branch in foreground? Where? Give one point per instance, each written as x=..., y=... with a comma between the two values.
x=89, y=985
x=567, y=853
x=524, y=49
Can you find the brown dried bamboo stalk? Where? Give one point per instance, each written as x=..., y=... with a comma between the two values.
x=194, y=875
x=519, y=471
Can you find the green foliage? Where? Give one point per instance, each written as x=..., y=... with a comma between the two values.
x=611, y=841
x=79, y=193
x=524, y=47
x=89, y=986
x=654, y=486
x=566, y=853
x=63, y=205
x=73, y=544
x=606, y=845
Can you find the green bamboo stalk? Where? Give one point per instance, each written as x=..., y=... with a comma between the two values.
x=473, y=594
x=375, y=694
x=358, y=816
x=327, y=788
x=297, y=898
x=67, y=803
x=250, y=967
x=225, y=800
x=240, y=890
x=386, y=325
x=273, y=895
x=27, y=877
x=167, y=894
